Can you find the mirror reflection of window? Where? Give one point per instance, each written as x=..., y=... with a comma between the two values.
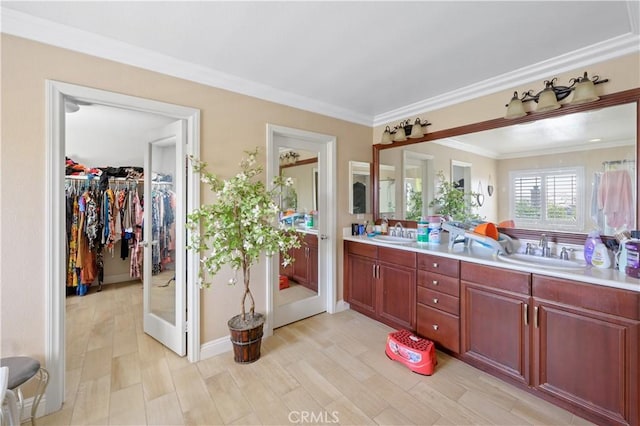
x=417, y=169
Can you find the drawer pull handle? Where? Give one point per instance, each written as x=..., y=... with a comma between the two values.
x=434, y=282
x=435, y=326
x=435, y=300
x=435, y=264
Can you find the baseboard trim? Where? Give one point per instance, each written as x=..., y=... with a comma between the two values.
x=28, y=403
x=215, y=347
x=341, y=305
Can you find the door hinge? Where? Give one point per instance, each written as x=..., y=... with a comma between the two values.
x=186, y=327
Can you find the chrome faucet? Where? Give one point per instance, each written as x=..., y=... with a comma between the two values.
x=395, y=230
x=544, y=245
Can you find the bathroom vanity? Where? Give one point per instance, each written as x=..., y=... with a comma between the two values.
x=569, y=336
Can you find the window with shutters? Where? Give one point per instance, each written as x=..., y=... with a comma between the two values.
x=548, y=198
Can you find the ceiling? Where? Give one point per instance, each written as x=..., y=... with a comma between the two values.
x=365, y=62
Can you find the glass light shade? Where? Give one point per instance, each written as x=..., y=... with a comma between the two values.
x=416, y=130
x=547, y=100
x=386, y=136
x=585, y=91
x=400, y=135
x=515, y=108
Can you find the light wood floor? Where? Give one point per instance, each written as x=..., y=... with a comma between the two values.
x=328, y=368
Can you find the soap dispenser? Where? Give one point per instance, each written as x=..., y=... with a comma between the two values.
x=601, y=257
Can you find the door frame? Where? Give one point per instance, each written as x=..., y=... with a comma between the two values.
x=55, y=292
x=328, y=250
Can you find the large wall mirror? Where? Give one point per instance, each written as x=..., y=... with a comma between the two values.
x=568, y=171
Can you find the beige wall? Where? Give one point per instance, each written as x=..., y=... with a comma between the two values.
x=225, y=117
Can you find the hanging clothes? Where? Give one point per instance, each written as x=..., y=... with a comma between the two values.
x=96, y=218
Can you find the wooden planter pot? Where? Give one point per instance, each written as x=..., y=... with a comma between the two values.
x=246, y=337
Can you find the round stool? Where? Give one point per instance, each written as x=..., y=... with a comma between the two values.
x=21, y=370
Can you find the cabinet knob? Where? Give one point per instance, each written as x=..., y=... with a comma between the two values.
x=434, y=282
x=435, y=264
x=435, y=326
x=435, y=300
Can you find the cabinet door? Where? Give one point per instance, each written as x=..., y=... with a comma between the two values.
x=494, y=330
x=361, y=284
x=299, y=267
x=586, y=359
x=397, y=296
x=312, y=268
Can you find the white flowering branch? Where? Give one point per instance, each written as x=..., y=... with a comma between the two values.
x=240, y=224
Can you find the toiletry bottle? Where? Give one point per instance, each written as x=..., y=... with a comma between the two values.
x=590, y=245
x=384, y=225
x=601, y=258
x=423, y=231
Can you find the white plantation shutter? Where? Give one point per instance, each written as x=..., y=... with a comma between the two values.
x=548, y=198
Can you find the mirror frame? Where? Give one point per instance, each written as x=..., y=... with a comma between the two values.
x=624, y=97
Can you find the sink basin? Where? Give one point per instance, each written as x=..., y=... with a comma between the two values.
x=394, y=240
x=545, y=262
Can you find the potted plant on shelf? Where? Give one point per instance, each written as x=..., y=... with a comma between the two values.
x=235, y=230
x=453, y=203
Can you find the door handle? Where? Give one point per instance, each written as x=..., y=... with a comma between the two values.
x=526, y=314
x=324, y=237
x=535, y=317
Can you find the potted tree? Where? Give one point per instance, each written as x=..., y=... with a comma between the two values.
x=235, y=230
x=452, y=202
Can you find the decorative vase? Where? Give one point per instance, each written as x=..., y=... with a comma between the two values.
x=246, y=337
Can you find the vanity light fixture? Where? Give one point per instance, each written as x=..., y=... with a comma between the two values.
x=404, y=130
x=548, y=98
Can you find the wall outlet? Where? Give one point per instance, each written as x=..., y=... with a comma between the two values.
x=360, y=216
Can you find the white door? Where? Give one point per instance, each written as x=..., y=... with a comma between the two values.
x=309, y=279
x=164, y=273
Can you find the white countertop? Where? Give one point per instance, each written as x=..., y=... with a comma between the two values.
x=476, y=253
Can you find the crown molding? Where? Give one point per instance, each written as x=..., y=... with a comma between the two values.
x=599, y=52
x=52, y=33
x=48, y=32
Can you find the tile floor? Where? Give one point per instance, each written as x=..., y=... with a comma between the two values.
x=328, y=369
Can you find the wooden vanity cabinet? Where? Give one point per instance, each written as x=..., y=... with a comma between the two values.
x=586, y=348
x=380, y=282
x=304, y=270
x=438, y=300
x=495, y=320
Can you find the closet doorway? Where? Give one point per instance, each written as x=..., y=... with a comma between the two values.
x=155, y=139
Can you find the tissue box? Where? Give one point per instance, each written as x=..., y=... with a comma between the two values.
x=418, y=354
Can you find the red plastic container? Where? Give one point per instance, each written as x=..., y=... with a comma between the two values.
x=284, y=282
x=418, y=354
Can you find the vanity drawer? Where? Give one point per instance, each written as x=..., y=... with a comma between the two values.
x=439, y=282
x=441, y=327
x=441, y=265
x=438, y=300
x=362, y=249
x=498, y=278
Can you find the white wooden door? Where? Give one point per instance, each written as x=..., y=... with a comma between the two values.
x=164, y=237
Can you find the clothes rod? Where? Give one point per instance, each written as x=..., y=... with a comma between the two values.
x=606, y=163
x=94, y=177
